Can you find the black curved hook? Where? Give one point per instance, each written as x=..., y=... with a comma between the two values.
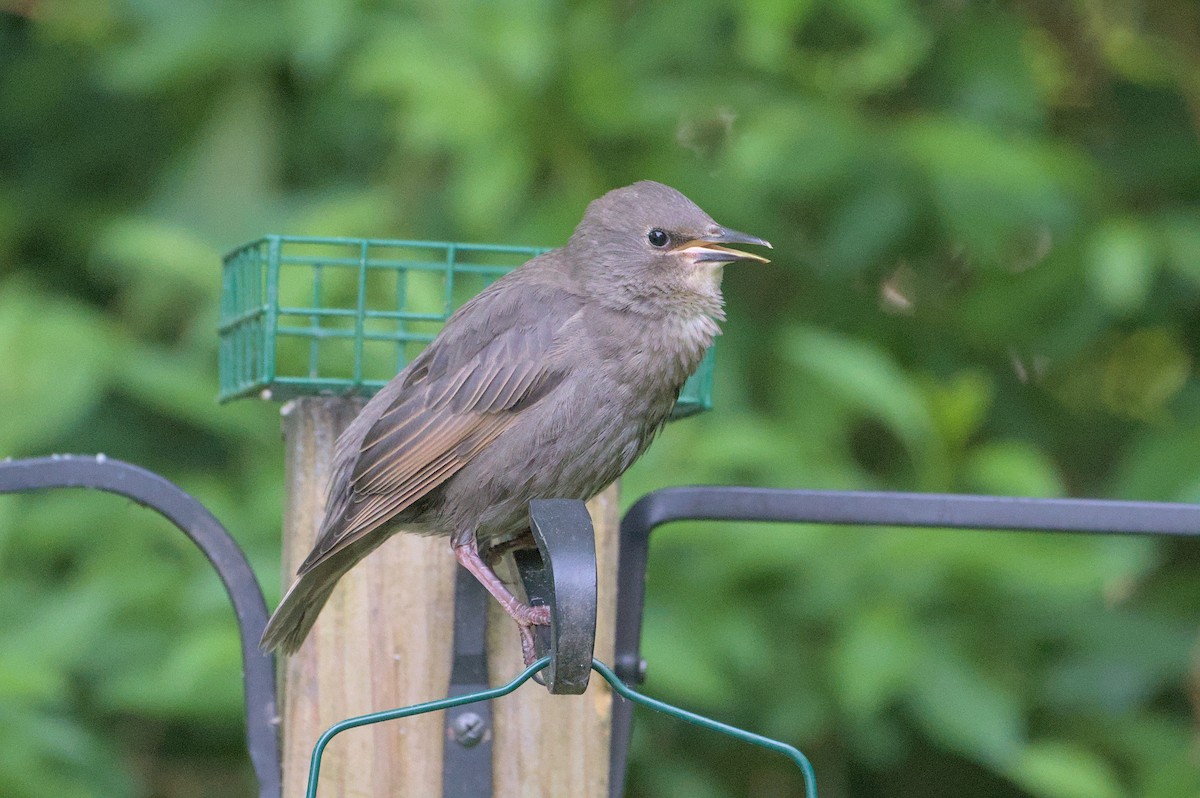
x=186, y=512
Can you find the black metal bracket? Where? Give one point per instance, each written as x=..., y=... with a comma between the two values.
x=195, y=521
x=467, y=754
x=712, y=503
x=561, y=573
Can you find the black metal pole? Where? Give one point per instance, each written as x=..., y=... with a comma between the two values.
x=721, y=503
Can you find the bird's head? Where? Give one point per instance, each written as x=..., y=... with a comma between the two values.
x=646, y=246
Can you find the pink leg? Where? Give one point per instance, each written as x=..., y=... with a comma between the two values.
x=467, y=554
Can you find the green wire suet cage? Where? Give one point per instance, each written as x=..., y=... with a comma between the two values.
x=338, y=316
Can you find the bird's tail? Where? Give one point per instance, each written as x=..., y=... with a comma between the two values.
x=300, y=606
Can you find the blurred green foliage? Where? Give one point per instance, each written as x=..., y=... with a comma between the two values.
x=987, y=228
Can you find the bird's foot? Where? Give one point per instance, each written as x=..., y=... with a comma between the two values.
x=528, y=617
x=532, y=616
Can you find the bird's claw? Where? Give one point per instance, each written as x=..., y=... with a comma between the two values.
x=533, y=616
x=528, y=617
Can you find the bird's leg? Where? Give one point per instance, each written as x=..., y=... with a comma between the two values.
x=467, y=554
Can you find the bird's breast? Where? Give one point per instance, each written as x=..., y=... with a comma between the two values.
x=586, y=433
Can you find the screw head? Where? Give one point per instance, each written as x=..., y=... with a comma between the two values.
x=468, y=729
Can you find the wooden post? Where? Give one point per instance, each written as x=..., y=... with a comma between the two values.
x=385, y=640
x=548, y=746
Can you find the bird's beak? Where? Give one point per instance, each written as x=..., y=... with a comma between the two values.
x=708, y=249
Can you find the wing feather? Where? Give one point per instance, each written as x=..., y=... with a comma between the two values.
x=455, y=399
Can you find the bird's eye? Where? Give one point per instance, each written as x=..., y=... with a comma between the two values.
x=657, y=237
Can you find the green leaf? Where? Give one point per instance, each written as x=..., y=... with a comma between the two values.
x=960, y=404
x=874, y=657
x=1012, y=468
x=1143, y=372
x=863, y=377
x=55, y=359
x=1057, y=769
x=965, y=711
x=1122, y=258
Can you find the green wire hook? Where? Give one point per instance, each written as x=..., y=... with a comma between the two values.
x=792, y=753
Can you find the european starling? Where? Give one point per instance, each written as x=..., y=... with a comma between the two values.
x=548, y=384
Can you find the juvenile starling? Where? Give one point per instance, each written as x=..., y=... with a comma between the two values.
x=548, y=384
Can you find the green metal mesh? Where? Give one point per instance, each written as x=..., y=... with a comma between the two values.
x=321, y=316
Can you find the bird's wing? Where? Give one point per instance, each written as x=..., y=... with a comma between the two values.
x=497, y=356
